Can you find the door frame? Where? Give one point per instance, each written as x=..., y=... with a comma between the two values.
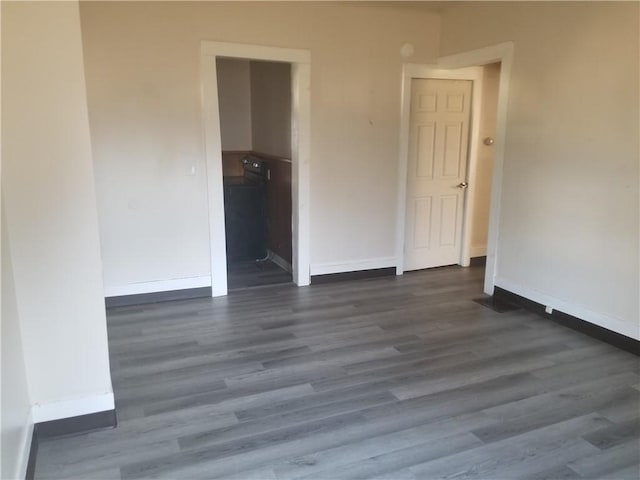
x=454, y=64
x=300, y=61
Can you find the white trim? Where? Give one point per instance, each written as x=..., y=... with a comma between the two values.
x=502, y=53
x=24, y=452
x=478, y=251
x=349, y=266
x=281, y=262
x=570, y=308
x=300, y=171
x=158, y=286
x=255, y=52
x=215, y=192
x=300, y=152
x=405, y=109
x=43, y=412
x=409, y=72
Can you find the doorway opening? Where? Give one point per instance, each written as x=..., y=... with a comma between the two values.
x=254, y=99
x=256, y=118
x=450, y=172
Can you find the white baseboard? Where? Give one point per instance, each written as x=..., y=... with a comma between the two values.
x=578, y=311
x=23, y=452
x=157, y=286
x=341, y=267
x=43, y=412
x=478, y=251
x=281, y=262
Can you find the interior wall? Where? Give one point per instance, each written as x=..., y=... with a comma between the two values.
x=484, y=167
x=271, y=108
x=51, y=219
x=142, y=61
x=569, y=222
x=234, y=102
x=15, y=418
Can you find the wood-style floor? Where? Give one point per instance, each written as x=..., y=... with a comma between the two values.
x=397, y=378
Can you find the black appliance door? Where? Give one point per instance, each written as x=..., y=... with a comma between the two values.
x=245, y=222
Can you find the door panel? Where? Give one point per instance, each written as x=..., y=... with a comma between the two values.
x=422, y=230
x=426, y=150
x=453, y=146
x=455, y=103
x=428, y=103
x=448, y=215
x=438, y=144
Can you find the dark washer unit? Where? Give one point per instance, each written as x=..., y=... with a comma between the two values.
x=245, y=212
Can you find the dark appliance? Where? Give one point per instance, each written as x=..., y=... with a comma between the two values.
x=245, y=212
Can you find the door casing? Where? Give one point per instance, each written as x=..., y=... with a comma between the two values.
x=458, y=64
x=300, y=61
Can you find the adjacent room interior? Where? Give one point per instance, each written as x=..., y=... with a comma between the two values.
x=268, y=308
x=255, y=122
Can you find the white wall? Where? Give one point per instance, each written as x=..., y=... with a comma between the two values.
x=569, y=218
x=484, y=167
x=234, y=92
x=255, y=106
x=51, y=219
x=16, y=405
x=143, y=73
x=271, y=108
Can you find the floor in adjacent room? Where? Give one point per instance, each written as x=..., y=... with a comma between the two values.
x=254, y=273
x=396, y=377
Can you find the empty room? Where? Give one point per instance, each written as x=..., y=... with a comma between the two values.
x=332, y=240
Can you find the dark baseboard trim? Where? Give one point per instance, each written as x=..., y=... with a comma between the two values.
x=496, y=304
x=74, y=425
x=603, y=334
x=65, y=427
x=156, y=297
x=357, y=275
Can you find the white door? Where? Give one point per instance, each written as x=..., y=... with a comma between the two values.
x=437, y=167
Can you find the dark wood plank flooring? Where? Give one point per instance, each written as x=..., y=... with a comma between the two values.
x=396, y=377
